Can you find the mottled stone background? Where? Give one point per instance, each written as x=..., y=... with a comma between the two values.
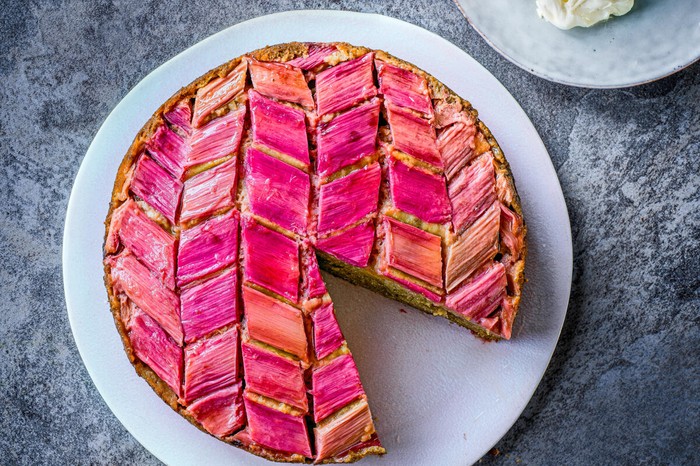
x=624, y=384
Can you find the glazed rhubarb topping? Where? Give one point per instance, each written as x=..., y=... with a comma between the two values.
x=211, y=364
x=274, y=322
x=218, y=92
x=418, y=192
x=246, y=182
x=349, y=199
x=151, y=244
x=277, y=430
x=345, y=85
x=207, y=247
x=274, y=376
x=277, y=192
x=335, y=385
x=153, y=346
x=280, y=81
x=279, y=127
x=154, y=185
x=348, y=137
x=209, y=192
x=209, y=305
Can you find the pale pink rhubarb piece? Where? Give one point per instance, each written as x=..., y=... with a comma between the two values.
x=169, y=149
x=220, y=413
x=209, y=305
x=280, y=81
x=315, y=286
x=472, y=192
x=279, y=127
x=209, y=192
x=207, y=247
x=152, y=346
x=347, y=200
x=404, y=88
x=511, y=231
x=413, y=251
x=481, y=295
x=317, y=54
x=132, y=278
x=413, y=135
x=345, y=85
x=218, y=138
x=507, y=317
x=271, y=260
x=155, y=247
x=273, y=376
x=342, y=432
x=334, y=386
x=475, y=246
x=327, y=334
x=211, y=364
x=418, y=192
x=154, y=185
x=180, y=118
x=456, y=144
x=274, y=322
x=218, y=92
x=277, y=191
x=353, y=245
x=347, y=138
x=276, y=430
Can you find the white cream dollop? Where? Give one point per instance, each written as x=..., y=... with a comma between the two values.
x=566, y=14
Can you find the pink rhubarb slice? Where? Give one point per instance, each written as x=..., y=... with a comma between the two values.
x=276, y=430
x=209, y=192
x=347, y=138
x=279, y=127
x=280, y=81
x=271, y=260
x=274, y=322
x=480, y=296
x=180, y=118
x=211, y=364
x=344, y=431
x=413, y=251
x=404, y=88
x=456, y=144
x=511, y=231
x=353, y=245
x=207, y=247
x=347, y=200
x=169, y=149
x=218, y=92
x=220, y=413
x=277, y=191
x=154, y=185
x=273, y=376
x=327, y=334
x=418, y=192
x=472, y=192
x=345, y=85
x=413, y=135
x=209, y=305
x=217, y=139
x=317, y=54
x=314, y=286
x=334, y=386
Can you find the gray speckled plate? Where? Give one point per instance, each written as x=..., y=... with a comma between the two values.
x=655, y=39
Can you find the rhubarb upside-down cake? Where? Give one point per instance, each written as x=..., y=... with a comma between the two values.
x=283, y=162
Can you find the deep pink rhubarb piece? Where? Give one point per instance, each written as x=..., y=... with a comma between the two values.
x=276, y=430
x=273, y=376
x=404, y=88
x=343, y=432
x=327, y=334
x=315, y=287
x=279, y=127
x=418, y=192
x=271, y=260
x=153, y=246
x=348, y=199
x=414, y=135
x=219, y=138
x=218, y=92
x=345, y=85
x=280, y=81
x=274, y=322
x=132, y=278
x=480, y=296
x=153, y=346
x=472, y=192
x=207, y=247
x=169, y=149
x=211, y=364
x=220, y=413
x=456, y=144
x=353, y=245
x=334, y=386
x=154, y=185
x=317, y=54
x=180, y=118
x=277, y=191
x=413, y=251
x=209, y=192
x=347, y=138
x=209, y=305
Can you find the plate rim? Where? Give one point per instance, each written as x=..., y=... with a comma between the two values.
x=72, y=214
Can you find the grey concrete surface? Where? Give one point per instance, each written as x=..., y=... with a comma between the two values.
x=624, y=384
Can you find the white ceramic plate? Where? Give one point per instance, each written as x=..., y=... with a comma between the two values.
x=440, y=396
x=655, y=39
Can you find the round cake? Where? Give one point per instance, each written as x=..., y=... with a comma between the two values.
x=289, y=160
